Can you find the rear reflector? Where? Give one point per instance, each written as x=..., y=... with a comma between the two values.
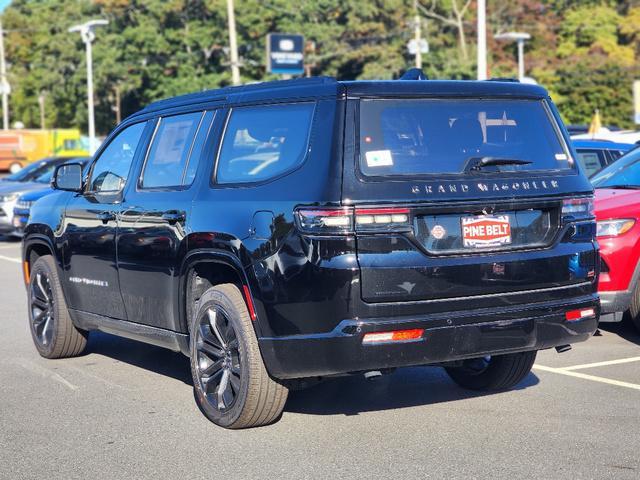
x=395, y=336
x=572, y=315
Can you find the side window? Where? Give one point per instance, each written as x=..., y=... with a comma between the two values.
x=592, y=160
x=262, y=142
x=170, y=149
x=112, y=167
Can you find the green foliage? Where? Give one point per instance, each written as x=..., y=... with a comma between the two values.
x=584, y=51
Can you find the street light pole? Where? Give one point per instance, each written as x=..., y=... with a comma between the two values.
x=417, y=35
x=233, y=44
x=88, y=36
x=519, y=38
x=482, y=40
x=4, y=84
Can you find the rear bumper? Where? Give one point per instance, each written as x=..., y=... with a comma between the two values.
x=614, y=302
x=447, y=337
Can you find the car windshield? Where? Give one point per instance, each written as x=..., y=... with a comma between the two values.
x=623, y=172
x=27, y=173
x=436, y=136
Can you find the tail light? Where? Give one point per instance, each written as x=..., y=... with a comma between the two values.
x=577, y=209
x=347, y=220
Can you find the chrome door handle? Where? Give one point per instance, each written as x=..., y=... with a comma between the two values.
x=173, y=217
x=106, y=217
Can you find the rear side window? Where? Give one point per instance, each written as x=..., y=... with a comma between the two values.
x=592, y=161
x=262, y=142
x=170, y=150
x=449, y=136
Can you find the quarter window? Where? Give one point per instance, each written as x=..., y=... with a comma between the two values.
x=170, y=150
x=263, y=142
x=110, y=171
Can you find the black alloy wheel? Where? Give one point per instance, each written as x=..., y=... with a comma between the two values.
x=218, y=364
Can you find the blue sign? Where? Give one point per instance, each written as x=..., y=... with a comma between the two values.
x=285, y=54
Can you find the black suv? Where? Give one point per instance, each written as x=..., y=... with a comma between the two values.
x=280, y=232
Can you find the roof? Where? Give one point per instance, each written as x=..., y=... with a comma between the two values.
x=603, y=145
x=329, y=86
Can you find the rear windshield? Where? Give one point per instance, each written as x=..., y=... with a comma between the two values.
x=450, y=136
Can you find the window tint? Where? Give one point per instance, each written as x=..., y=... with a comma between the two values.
x=264, y=141
x=170, y=150
x=112, y=167
x=423, y=136
x=592, y=161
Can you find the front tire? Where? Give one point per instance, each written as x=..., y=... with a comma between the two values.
x=231, y=384
x=500, y=372
x=53, y=332
x=634, y=308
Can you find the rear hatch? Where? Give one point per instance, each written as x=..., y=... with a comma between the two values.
x=456, y=198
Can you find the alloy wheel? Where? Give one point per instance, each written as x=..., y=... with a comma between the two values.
x=218, y=359
x=42, y=309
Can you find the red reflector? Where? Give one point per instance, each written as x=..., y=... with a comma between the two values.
x=381, y=211
x=572, y=315
x=249, y=300
x=395, y=336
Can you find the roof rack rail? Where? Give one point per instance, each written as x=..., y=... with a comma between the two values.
x=504, y=79
x=414, y=74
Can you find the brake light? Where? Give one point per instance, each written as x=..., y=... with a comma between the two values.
x=573, y=315
x=393, y=336
x=577, y=208
x=346, y=219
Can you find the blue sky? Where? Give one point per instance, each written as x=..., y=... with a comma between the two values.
x=3, y=4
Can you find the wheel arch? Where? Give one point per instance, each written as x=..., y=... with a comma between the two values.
x=34, y=247
x=203, y=269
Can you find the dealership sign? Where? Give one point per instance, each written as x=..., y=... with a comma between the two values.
x=285, y=54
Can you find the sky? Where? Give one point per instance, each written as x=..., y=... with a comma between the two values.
x=3, y=4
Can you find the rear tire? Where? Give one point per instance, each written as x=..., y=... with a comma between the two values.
x=500, y=372
x=634, y=308
x=231, y=384
x=53, y=332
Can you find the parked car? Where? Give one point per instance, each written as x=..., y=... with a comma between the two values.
x=611, y=135
x=34, y=179
x=617, y=208
x=308, y=228
x=594, y=155
x=25, y=201
x=31, y=171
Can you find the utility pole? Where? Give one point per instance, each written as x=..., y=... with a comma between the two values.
x=233, y=44
x=482, y=40
x=417, y=35
x=4, y=83
x=41, y=100
x=88, y=36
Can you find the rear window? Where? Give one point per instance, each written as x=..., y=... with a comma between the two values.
x=592, y=161
x=448, y=136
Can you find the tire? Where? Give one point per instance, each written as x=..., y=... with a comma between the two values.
x=223, y=345
x=500, y=372
x=634, y=308
x=52, y=331
x=15, y=167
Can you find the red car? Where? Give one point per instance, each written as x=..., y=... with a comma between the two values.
x=617, y=209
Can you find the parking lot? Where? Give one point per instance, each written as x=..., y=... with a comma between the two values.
x=126, y=410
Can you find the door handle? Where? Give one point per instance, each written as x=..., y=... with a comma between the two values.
x=106, y=217
x=173, y=217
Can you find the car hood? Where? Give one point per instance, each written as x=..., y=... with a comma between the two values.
x=617, y=203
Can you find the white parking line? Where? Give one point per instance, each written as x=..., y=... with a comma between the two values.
x=584, y=376
x=10, y=259
x=602, y=364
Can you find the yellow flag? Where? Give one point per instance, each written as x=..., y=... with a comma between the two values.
x=596, y=123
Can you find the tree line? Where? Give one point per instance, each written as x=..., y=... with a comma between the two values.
x=583, y=51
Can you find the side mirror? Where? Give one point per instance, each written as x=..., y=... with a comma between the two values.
x=68, y=177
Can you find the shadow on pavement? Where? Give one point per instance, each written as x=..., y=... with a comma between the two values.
x=408, y=387
x=625, y=329
x=138, y=354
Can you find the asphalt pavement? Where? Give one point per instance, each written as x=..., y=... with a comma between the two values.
x=126, y=410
